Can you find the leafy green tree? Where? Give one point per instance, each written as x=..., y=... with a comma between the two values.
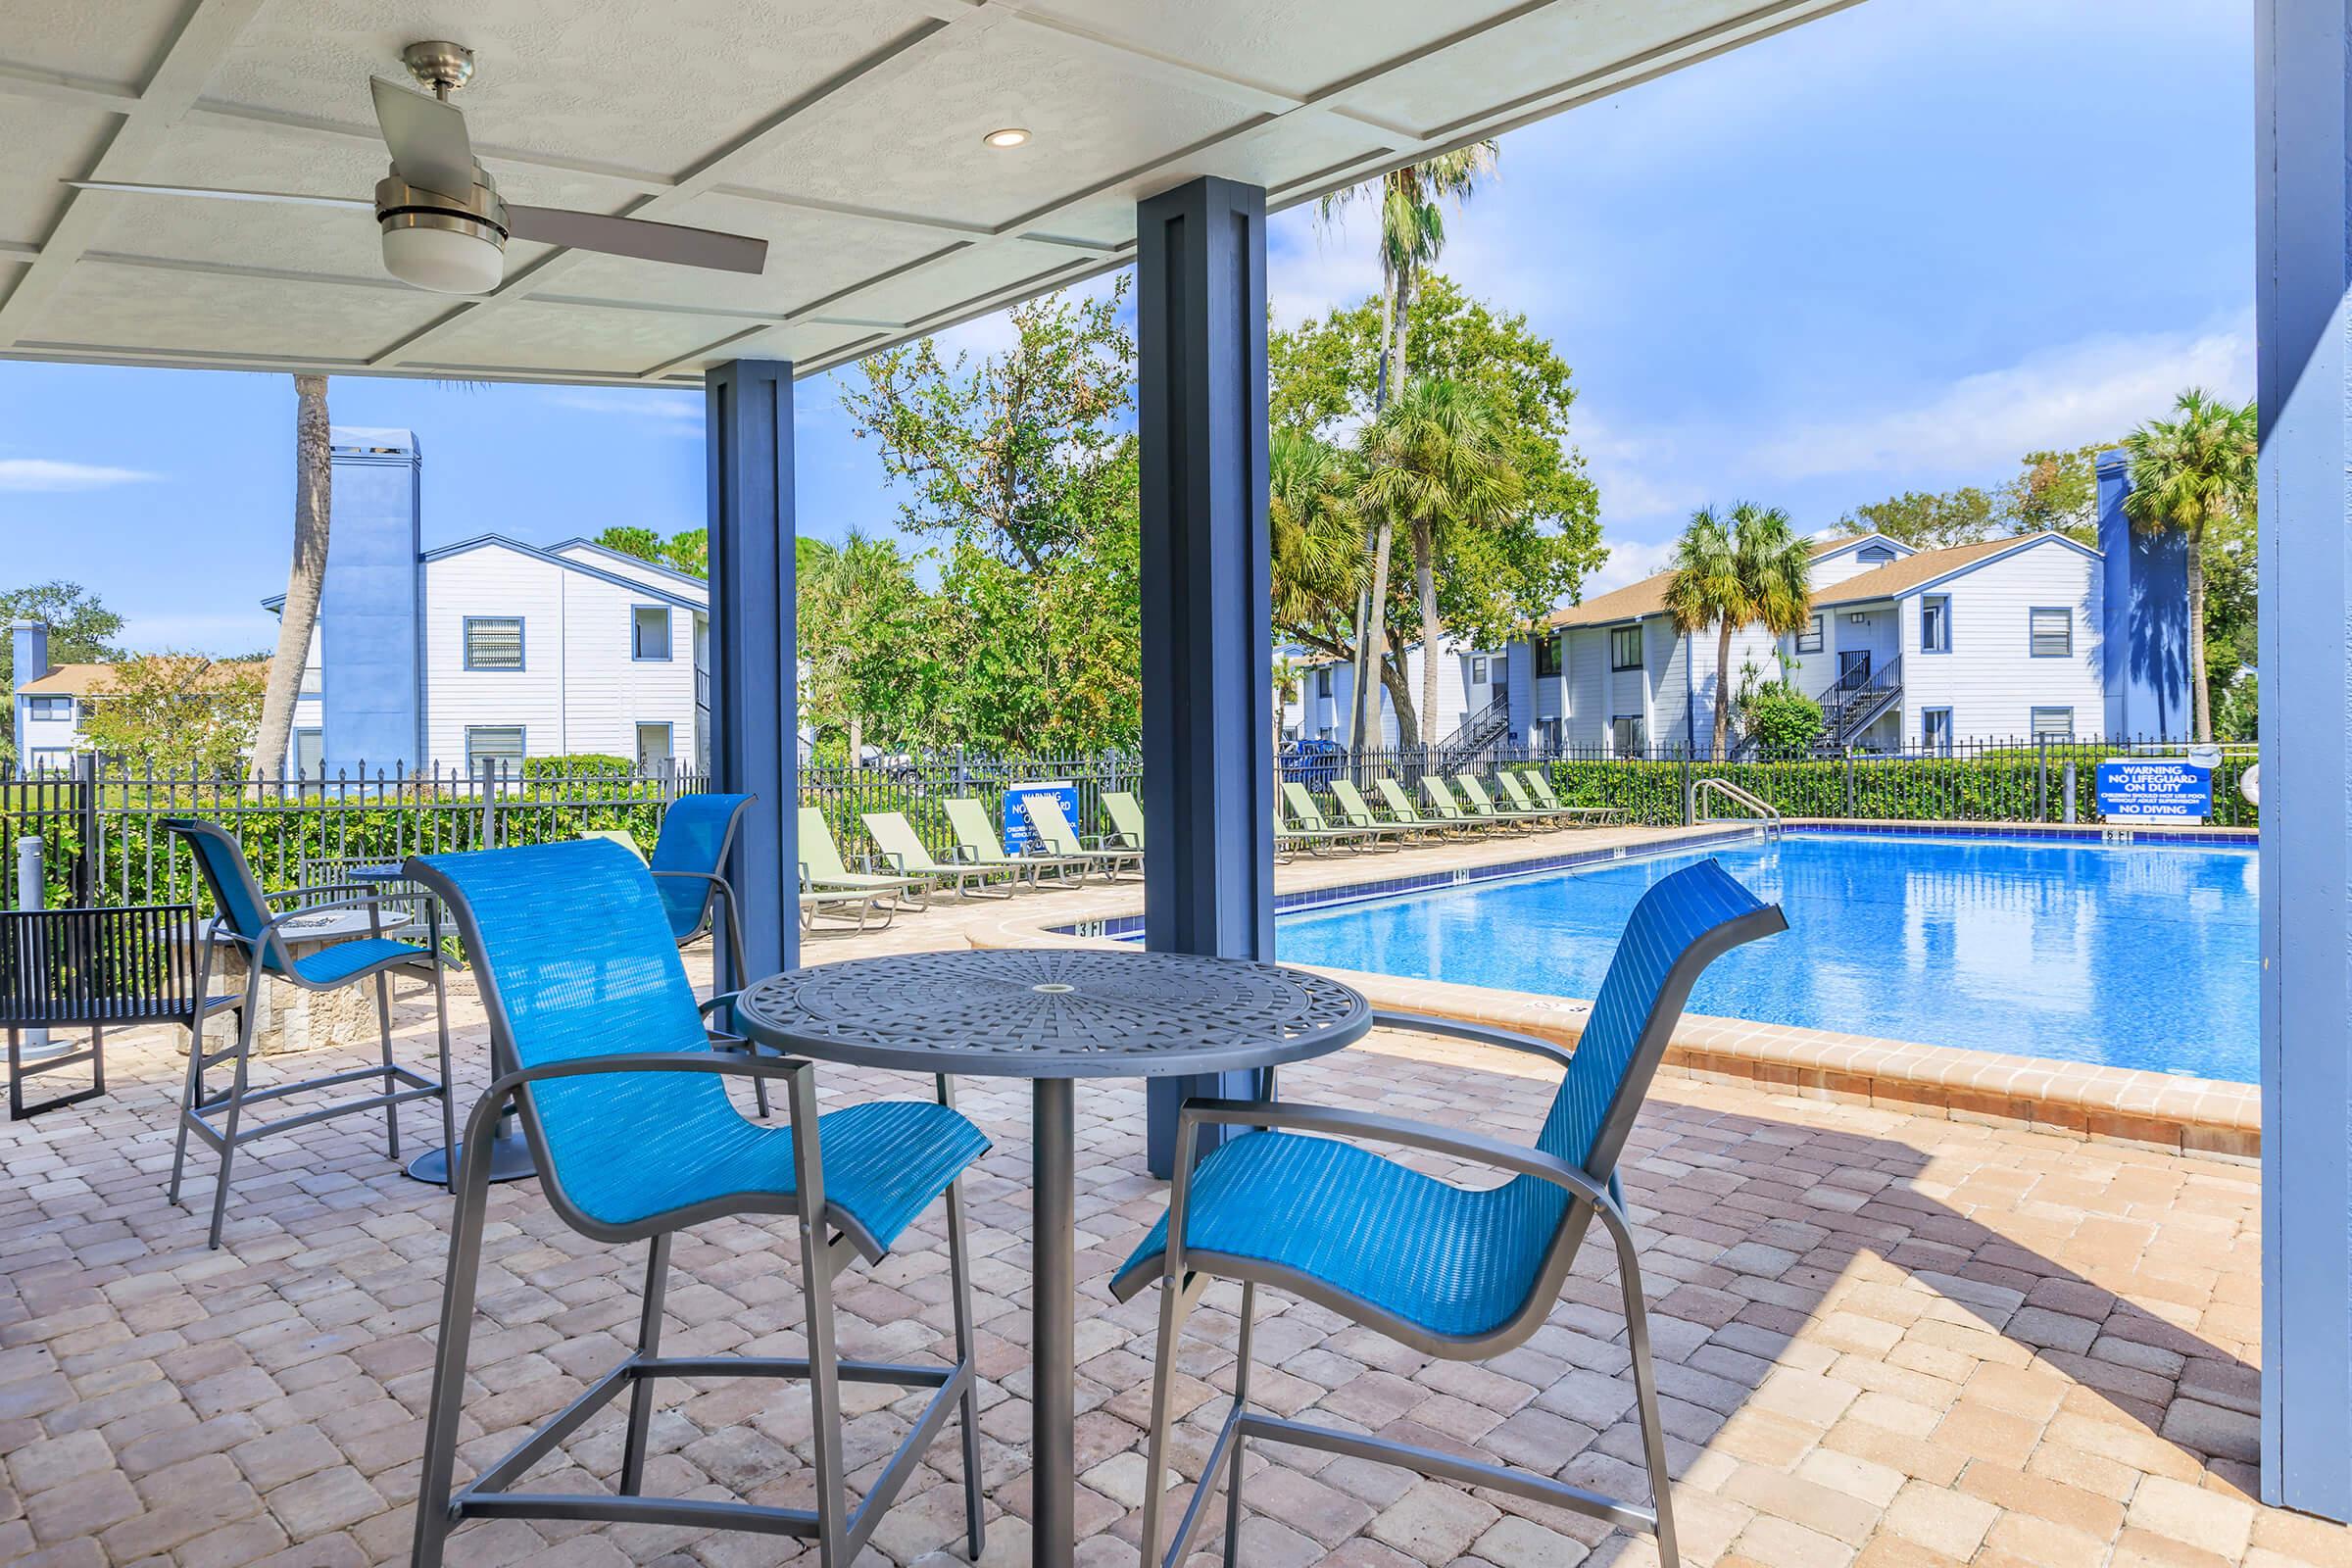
x=1025, y=466
x=1746, y=569
x=1323, y=376
x=82, y=631
x=688, y=551
x=863, y=619
x=2229, y=622
x=2189, y=474
x=2057, y=492
x=1410, y=206
x=1435, y=463
x=181, y=714
x=631, y=540
x=1783, y=720
x=1930, y=521
x=1318, y=547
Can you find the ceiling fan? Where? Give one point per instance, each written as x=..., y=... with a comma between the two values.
x=445, y=226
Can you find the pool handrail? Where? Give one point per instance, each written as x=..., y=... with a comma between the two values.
x=1738, y=796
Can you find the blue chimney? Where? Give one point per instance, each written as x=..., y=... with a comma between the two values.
x=28, y=649
x=371, y=610
x=2146, y=631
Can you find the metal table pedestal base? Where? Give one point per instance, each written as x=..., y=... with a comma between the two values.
x=1053, y=1308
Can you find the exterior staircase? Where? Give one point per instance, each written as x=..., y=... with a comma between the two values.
x=1476, y=734
x=1856, y=699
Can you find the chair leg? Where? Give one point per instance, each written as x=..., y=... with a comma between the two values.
x=16, y=1080
x=959, y=1275
x=97, y=1058
x=824, y=1368
x=1645, y=1400
x=649, y=1344
x=384, y=1028
x=1241, y=1397
x=433, y=1485
x=237, y=1101
x=449, y=1089
x=1172, y=1314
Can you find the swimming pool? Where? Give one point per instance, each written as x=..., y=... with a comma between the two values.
x=2131, y=956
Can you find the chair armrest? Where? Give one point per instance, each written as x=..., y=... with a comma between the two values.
x=792, y=1069
x=963, y=854
x=1484, y=1034
x=690, y=876
x=884, y=857
x=1516, y=1158
x=313, y=891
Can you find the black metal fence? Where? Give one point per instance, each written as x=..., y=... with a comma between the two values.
x=103, y=839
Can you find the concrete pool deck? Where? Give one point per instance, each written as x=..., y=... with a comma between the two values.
x=2177, y=1114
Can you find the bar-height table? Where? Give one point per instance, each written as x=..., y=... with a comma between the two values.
x=1052, y=1015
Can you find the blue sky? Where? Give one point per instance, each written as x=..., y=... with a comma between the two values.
x=1892, y=249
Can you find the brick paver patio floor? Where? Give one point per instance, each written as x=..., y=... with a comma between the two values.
x=1888, y=1341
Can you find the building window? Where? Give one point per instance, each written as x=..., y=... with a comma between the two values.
x=1549, y=656
x=1808, y=641
x=649, y=633
x=2054, y=724
x=1549, y=730
x=1624, y=648
x=2050, y=633
x=1626, y=738
x=1498, y=670
x=1323, y=683
x=310, y=753
x=1477, y=671
x=1935, y=728
x=653, y=747
x=498, y=746
x=1874, y=554
x=494, y=642
x=1935, y=624
x=49, y=708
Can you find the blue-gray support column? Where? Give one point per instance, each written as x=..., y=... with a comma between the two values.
x=755, y=705
x=1207, y=657
x=2303, y=267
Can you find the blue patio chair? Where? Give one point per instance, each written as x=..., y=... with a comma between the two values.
x=248, y=920
x=596, y=1034
x=690, y=870
x=1449, y=1271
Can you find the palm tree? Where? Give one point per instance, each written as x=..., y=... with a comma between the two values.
x=2187, y=473
x=1435, y=459
x=313, y=477
x=1412, y=234
x=1744, y=571
x=1318, y=548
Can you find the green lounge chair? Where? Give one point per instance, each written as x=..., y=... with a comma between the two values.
x=1126, y=814
x=1316, y=840
x=1482, y=804
x=910, y=856
x=1442, y=803
x=1047, y=821
x=1540, y=788
x=1516, y=797
x=1311, y=816
x=976, y=844
x=1357, y=811
x=822, y=870
x=833, y=901
x=1403, y=809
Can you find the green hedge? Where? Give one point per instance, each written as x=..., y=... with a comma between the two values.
x=2017, y=785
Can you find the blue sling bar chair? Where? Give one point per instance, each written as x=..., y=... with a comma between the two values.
x=690, y=872
x=596, y=1034
x=247, y=921
x=1451, y=1272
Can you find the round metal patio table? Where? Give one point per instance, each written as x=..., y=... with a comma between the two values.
x=1052, y=1015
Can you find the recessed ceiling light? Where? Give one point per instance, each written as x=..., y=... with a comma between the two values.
x=1009, y=136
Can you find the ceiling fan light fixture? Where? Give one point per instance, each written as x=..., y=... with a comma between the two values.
x=1007, y=137
x=436, y=243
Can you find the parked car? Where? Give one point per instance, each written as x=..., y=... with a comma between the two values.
x=1312, y=763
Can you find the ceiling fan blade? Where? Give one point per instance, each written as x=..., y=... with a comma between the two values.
x=642, y=238
x=295, y=197
x=427, y=137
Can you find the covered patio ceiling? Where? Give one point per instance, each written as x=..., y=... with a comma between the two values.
x=847, y=133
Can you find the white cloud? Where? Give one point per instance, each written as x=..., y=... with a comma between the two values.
x=674, y=413
x=1629, y=561
x=50, y=474
x=2091, y=390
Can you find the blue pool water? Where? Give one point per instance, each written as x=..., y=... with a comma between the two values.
x=2138, y=956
